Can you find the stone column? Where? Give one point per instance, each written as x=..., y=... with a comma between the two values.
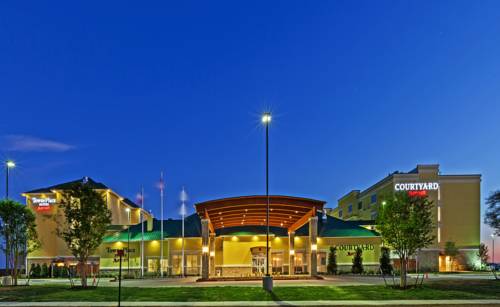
x=291, y=253
x=211, y=251
x=204, y=248
x=313, y=236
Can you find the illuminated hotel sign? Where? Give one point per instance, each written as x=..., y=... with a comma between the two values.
x=43, y=203
x=417, y=186
x=418, y=189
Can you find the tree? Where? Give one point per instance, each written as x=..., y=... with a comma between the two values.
x=332, y=260
x=19, y=233
x=357, y=262
x=452, y=251
x=483, y=255
x=86, y=218
x=492, y=216
x=405, y=224
x=385, y=261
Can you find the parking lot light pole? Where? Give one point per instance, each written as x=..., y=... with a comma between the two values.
x=8, y=165
x=267, y=281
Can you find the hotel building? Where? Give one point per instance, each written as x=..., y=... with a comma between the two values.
x=456, y=203
x=225, y=237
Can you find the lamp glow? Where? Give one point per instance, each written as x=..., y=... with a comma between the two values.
x=10, y=164
x=212, y=254
x=266, y=118
x=292, y=252
x=314, y=247
x=204, y=249
x=127, y=209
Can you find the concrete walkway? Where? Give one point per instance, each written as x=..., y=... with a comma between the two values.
x=264, y=304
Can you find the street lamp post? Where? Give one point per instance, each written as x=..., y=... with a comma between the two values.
x=493, y=246
x=8, y=165
x=268, y=280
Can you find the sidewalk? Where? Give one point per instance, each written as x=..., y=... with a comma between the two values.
x=264, y=304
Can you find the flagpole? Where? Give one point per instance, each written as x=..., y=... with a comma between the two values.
x=142, y=231
x=183, y=211
x=161, y=224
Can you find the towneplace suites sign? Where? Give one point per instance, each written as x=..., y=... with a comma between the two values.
x=43, y=204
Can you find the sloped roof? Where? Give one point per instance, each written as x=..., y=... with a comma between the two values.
x=130, y=203
x=334, y=227
x=171, y=229
x=67, y=185
x=329, y=227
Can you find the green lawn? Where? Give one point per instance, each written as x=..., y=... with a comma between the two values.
x=484, y=289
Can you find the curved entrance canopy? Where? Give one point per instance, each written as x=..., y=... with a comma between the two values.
x=285, y=211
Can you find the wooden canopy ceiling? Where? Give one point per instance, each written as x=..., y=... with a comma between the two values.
x=285, y=211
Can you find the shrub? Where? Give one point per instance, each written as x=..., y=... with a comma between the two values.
x=332, y=261
x=385, y=261
x=44, y=272
x=357, y=262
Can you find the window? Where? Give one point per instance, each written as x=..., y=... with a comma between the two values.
x=277, y=262
x=153, y=265
x=349, y=208
x=360, y=205
x=340, y=213
x=164, y=265
x=373, y=198
x=192, y=264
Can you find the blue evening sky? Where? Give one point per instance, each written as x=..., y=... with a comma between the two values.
x=120, y=90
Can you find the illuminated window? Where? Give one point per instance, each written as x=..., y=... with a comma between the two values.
x=153, y=265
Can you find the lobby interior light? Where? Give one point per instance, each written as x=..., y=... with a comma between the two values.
x=292, y=252
x=212, y=254
x=204, y=249
x=314, y=247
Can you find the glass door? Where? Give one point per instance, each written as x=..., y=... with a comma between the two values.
x=258, y=264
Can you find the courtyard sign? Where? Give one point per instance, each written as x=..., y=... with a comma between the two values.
x=417, y=186
x=353, y=247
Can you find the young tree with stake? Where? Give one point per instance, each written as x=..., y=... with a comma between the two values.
x=83, y=227
x=405, y=223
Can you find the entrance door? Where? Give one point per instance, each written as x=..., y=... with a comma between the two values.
x=258, y=264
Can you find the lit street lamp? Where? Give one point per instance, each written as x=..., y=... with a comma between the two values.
x=267, y=281
x=8, y=165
